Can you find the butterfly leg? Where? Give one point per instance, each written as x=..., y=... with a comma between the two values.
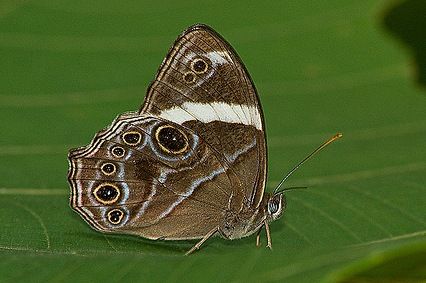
x=258, y=237
x=268, y=235
x=205, y=238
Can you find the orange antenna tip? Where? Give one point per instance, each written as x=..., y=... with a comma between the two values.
x=323, y=145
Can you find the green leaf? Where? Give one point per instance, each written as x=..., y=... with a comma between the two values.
x=406, y=264
x=69, y=67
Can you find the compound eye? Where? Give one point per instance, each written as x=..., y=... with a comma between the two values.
x=273, y=206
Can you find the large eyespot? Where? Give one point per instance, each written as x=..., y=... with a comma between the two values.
x=199, y=66
x=108, y=168
x=115, y=216
x=132, y=138
x=189, y=77
x=107, y=193
x=117, y=151
x=171, y=139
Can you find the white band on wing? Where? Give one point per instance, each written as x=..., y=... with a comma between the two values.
x=214, y=111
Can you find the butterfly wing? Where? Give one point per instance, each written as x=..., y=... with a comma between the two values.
x=126, y=181
x=204, y=85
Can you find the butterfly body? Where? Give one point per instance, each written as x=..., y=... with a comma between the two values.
x=191, y=163
x=249, y=220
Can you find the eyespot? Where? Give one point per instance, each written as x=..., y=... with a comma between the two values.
x=108, y=168
x=132, y=138
x=118, y=151
x=199, y=66
x=115, y=216
x=107, y=193
x=189, y=77
x=171, y=139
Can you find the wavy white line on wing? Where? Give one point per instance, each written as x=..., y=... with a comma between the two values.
x=195, y=184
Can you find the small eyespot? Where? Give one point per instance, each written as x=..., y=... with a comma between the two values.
x=108, y=168
x=107, y=193
x=171, y=139
x=189, y=77
x=132, y=138
x=199, y=66
x=115, y=216
x=117, y=151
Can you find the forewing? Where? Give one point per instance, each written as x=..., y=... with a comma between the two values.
x=203, y=85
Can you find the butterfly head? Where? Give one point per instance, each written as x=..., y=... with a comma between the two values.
x=275, y=206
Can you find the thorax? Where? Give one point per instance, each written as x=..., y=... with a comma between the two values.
x=243, y=223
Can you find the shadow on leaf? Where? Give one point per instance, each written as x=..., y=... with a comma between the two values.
x=406, y=20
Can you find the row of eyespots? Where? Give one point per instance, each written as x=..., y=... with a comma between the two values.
x=169, y=138
x=131, y=138
x=198, y=66
x=108, y=193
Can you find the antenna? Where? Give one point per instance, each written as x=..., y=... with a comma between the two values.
x=329, y=141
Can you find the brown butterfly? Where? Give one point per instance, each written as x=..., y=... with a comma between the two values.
x=191, y=163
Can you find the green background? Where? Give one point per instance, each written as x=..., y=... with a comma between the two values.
x=67, y=68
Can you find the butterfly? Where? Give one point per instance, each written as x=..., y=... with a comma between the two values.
x=191, y=163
